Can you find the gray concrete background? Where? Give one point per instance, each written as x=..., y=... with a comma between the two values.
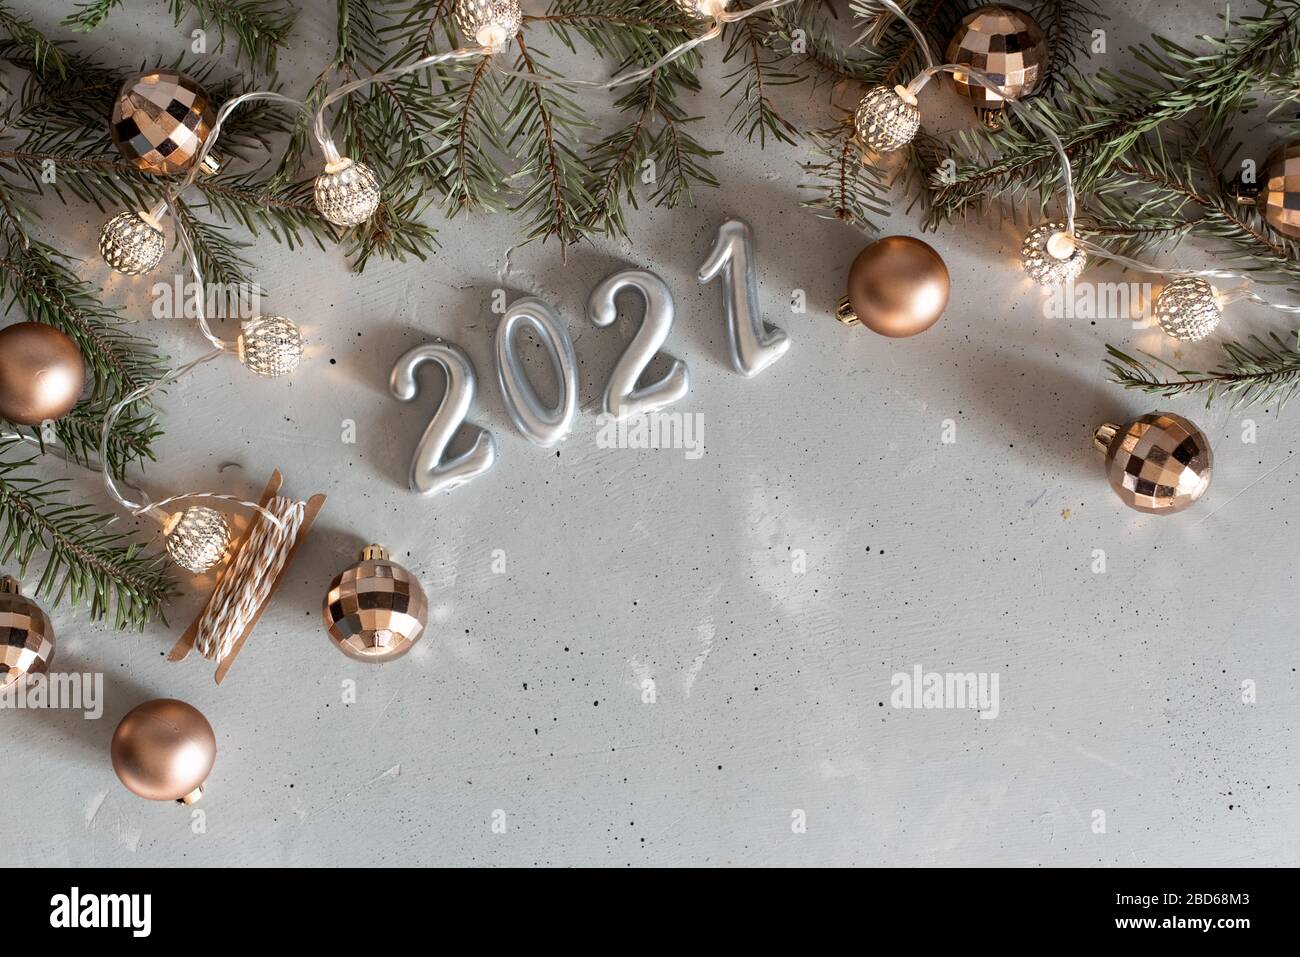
x=1119, y=691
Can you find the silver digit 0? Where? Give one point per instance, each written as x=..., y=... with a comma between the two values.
x=430, y=471
x=538, y=423
x=622, y=397
x=755, y=345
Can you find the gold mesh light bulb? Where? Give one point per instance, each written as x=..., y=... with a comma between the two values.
x=132, y=243
x=887, y=118
x=702, y=8
x=271, y=346
x=1051, y=256
x=197, y=538
x=491, y=23
x=1189, y=309
x=347, y=193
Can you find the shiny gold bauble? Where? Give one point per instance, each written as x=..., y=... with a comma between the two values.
x=376, y=609
x=161, y=120
x=1007, y=45
x=1159, y=462
x=898, y=286
x=1280, y=197
x=26, y=636
x=163, y=750
x=42, y=373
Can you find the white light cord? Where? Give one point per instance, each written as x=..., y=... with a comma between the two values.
x=924, y=44
x=147, y=507
x=383, y=76
x=1244, y=291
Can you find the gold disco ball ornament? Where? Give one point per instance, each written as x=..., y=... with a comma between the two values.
x=26, y=636
x=375, y=610
x=1158, y=463
x=1280, y=197
x=161, y=121
x=1008, y=46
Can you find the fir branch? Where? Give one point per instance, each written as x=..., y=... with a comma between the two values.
x=1067, y=26
x=85, y=561
x=546, y=123
x=1255, y=372
x=469, y=135
x=754, y=113
x=843, y=184
x=25, y=40
x=1103, y=118
x=260, y=27
x=218, y=255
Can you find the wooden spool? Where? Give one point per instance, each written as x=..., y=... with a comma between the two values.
x=185, y=644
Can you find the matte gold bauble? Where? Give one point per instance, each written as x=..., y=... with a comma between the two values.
x=163, y=750
x=1008, y=46
x=376, y=609
x=42, y=373
x=26, y=635
x=1281, y=192
x=898, y=286
x=161, y=120
x=1158, y=463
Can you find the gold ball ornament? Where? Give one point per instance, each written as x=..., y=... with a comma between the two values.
x=376, y=609
x=26, y=635
x=1281, y=193
x=1188, y=309
x=42, y=374
x=132, y=243
x=887, y=118
x=898, y=286
x=270, y=346
x=1008, y=46
x=197, y=539
x=347, y=193
x=1051, y=256
x=163, y=750
x=161, y=120
x=490, y=23
x=1158, y=463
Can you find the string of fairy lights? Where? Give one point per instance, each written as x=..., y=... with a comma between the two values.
x=347, y=193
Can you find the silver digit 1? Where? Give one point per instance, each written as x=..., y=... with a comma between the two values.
x=430, y=473
x=622, y=397
x=539, y=424
x=755, y=345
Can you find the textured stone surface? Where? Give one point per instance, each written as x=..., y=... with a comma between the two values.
x=1120, y=690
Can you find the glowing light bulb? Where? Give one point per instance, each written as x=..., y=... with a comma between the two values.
x=1189, y=309
x=197, y=538
x=347, y=193
x=271, y=346
x=132, y=243
x=887, y=118
x=702, y=8
x=1051, y=256
x=492, y=23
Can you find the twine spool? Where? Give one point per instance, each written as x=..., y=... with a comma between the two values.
x=244, y=588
